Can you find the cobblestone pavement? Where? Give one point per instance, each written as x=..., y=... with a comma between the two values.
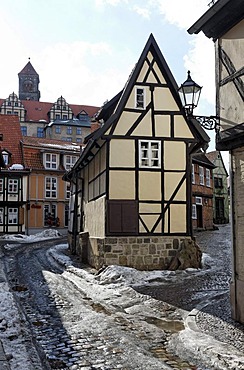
x=76, y=328
x=210, y=290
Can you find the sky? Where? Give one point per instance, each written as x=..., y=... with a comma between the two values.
x=85, y=50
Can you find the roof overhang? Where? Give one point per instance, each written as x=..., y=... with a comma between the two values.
x=219, y=18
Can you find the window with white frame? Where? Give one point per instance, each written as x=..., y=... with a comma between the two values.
x=13, y=186
x=1, y=185
x=150, y=153
x=198, y=200
x=194, y=211
x=51, y=187
x=201, y=175
x=67, y=190
x=207, y=177
x=1, y=216
x=140, y=97
x=70, y=161
x=12, y=216
x=5, y=157
x=193, y=174
x=51, y=161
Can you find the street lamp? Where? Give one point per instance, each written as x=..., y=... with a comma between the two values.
x=190, y=93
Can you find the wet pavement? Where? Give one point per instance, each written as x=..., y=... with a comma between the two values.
x=208, y=292
x=77, y=325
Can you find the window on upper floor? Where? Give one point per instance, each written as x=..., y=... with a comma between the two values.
x=16, y=104
x=70, y=161
x=51, y=161
x=6, y=157
x=65, y=116
x=24, y=130
x=140, y=98
x=78, y=130
x=13, y=186
x=78, y=140
x=201, y=175
x=40, y=132
x=69, y=130
x=193, y=174
x=57, y=116
x=208, y=177
x=9, y=112
x=218, y=182
x=51, y=187
x=1, y=185
x=69, y=139
x=1, y=215
x=12, y=216
x=9, y=104
x=149, y=153
x=57, y=129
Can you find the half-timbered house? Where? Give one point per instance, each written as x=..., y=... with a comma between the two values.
x=13, y=177
x=131, y=187
x=224, y=23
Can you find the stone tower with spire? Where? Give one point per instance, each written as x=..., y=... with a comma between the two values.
x=29, y=83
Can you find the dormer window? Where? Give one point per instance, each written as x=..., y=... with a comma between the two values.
x=140, y=98
x=51, y=161
x=70, y=161
x=6, y=157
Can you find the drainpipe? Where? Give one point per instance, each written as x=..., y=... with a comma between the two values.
x=233, y=241
x=74, y=226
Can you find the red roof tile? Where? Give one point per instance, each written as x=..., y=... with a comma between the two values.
x=11, y=137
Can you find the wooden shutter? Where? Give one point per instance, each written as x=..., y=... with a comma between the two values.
x=122, y=217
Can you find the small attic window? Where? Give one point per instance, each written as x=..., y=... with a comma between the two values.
x=1, y=137
x=6, y=157
x=140, y=98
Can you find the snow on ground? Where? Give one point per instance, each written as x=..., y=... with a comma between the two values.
x=110, y=279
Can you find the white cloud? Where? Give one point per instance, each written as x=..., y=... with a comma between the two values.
x=68, y=70
x=144, y=12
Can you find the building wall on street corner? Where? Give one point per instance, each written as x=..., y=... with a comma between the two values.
x=237, y=286
x=230, y=101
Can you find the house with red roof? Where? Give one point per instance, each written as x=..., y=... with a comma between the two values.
x=48, y=194
x=54, y=120
x=14, y=177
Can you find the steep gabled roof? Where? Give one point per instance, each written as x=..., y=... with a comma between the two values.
x=213, y=156
x=11, y=137
x=219, y=18
x=114, y=108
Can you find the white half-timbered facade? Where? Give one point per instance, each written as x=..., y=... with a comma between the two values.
x=131, y=198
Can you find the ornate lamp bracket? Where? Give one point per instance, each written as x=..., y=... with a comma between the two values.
x=209, y=123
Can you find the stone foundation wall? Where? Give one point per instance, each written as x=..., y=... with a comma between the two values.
x=142, y=253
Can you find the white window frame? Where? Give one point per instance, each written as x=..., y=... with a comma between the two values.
x=1, y=185
x=193, y=174
x=208, y=178
x=194, y=212
x=1, y=215
x=147, y=152
x=70, y=161
x=49, y=209
x=51, y=187
x=13, y=186
x=140, y=98
x=5, y=157
x=12, y=216
x=201, y=175
x=198, y=200
x=51, y=161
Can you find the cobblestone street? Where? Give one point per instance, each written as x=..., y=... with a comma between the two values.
x=74, y=319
